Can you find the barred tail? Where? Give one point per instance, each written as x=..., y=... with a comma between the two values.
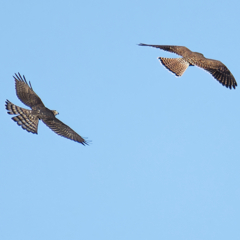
x=25, y=119
x=176, y=65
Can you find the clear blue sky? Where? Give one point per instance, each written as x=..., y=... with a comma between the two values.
x=164, y=162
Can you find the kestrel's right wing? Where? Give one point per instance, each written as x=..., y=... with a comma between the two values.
x=218, y=70
x=25, y=92
x=63, y=130
x=182, y=51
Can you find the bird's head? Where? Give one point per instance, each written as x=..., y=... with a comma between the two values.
x=55, y=112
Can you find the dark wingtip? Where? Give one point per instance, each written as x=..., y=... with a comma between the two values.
x=234, y=84
x=18, y=77
x=15, y=77
x=142, y=44
x=86, y=142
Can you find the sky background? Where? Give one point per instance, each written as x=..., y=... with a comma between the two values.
x=164, y=161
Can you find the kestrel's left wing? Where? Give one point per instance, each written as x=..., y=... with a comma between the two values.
x=25, y=92
x=180, y=50
x=63, y=130
x=218, y=70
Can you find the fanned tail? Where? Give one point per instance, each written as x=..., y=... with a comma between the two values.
x=176, y=65
x=25, y=119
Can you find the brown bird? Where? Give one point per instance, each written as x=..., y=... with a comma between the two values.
x=28, y=119
x=178, y=65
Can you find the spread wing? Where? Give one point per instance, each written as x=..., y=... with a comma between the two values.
x=25, y=92
x=63, y=130
x=182, y=51
x=218, y=70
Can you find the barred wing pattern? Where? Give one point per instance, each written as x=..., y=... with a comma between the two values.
x=216, y=68
x=25, y=118
x=224, y=78
x=25, y=92
x=63, y=130
x=28, y=119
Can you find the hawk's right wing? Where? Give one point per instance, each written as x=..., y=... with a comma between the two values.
x=25, y=92
x=63, y=130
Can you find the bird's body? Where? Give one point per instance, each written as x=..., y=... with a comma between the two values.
x=28, y=119
x=179, y=65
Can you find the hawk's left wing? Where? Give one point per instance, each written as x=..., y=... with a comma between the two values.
x=25, y=92
x=63, y=130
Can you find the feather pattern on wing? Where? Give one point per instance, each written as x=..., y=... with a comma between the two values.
x=216, y=68
x=63, y=130
x=25, y=92
x=28, y=119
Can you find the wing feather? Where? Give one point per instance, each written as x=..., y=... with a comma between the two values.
x=63, y=130
x=25, y=92
x=218, y=70
x=180, y=50
x=225, y=78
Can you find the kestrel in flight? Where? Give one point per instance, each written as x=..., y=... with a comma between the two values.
x=179, y=65
x=28, y=119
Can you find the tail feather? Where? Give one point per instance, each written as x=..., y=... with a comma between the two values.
x=176, y=65
x=25, y=119
x=13, y=109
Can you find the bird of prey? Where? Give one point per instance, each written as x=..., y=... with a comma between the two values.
x=28, y=119
x=178, y=65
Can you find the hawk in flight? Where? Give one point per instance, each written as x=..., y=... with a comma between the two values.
x=178, y=65
x=28, y=119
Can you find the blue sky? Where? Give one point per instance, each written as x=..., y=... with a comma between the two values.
x=164, y=157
